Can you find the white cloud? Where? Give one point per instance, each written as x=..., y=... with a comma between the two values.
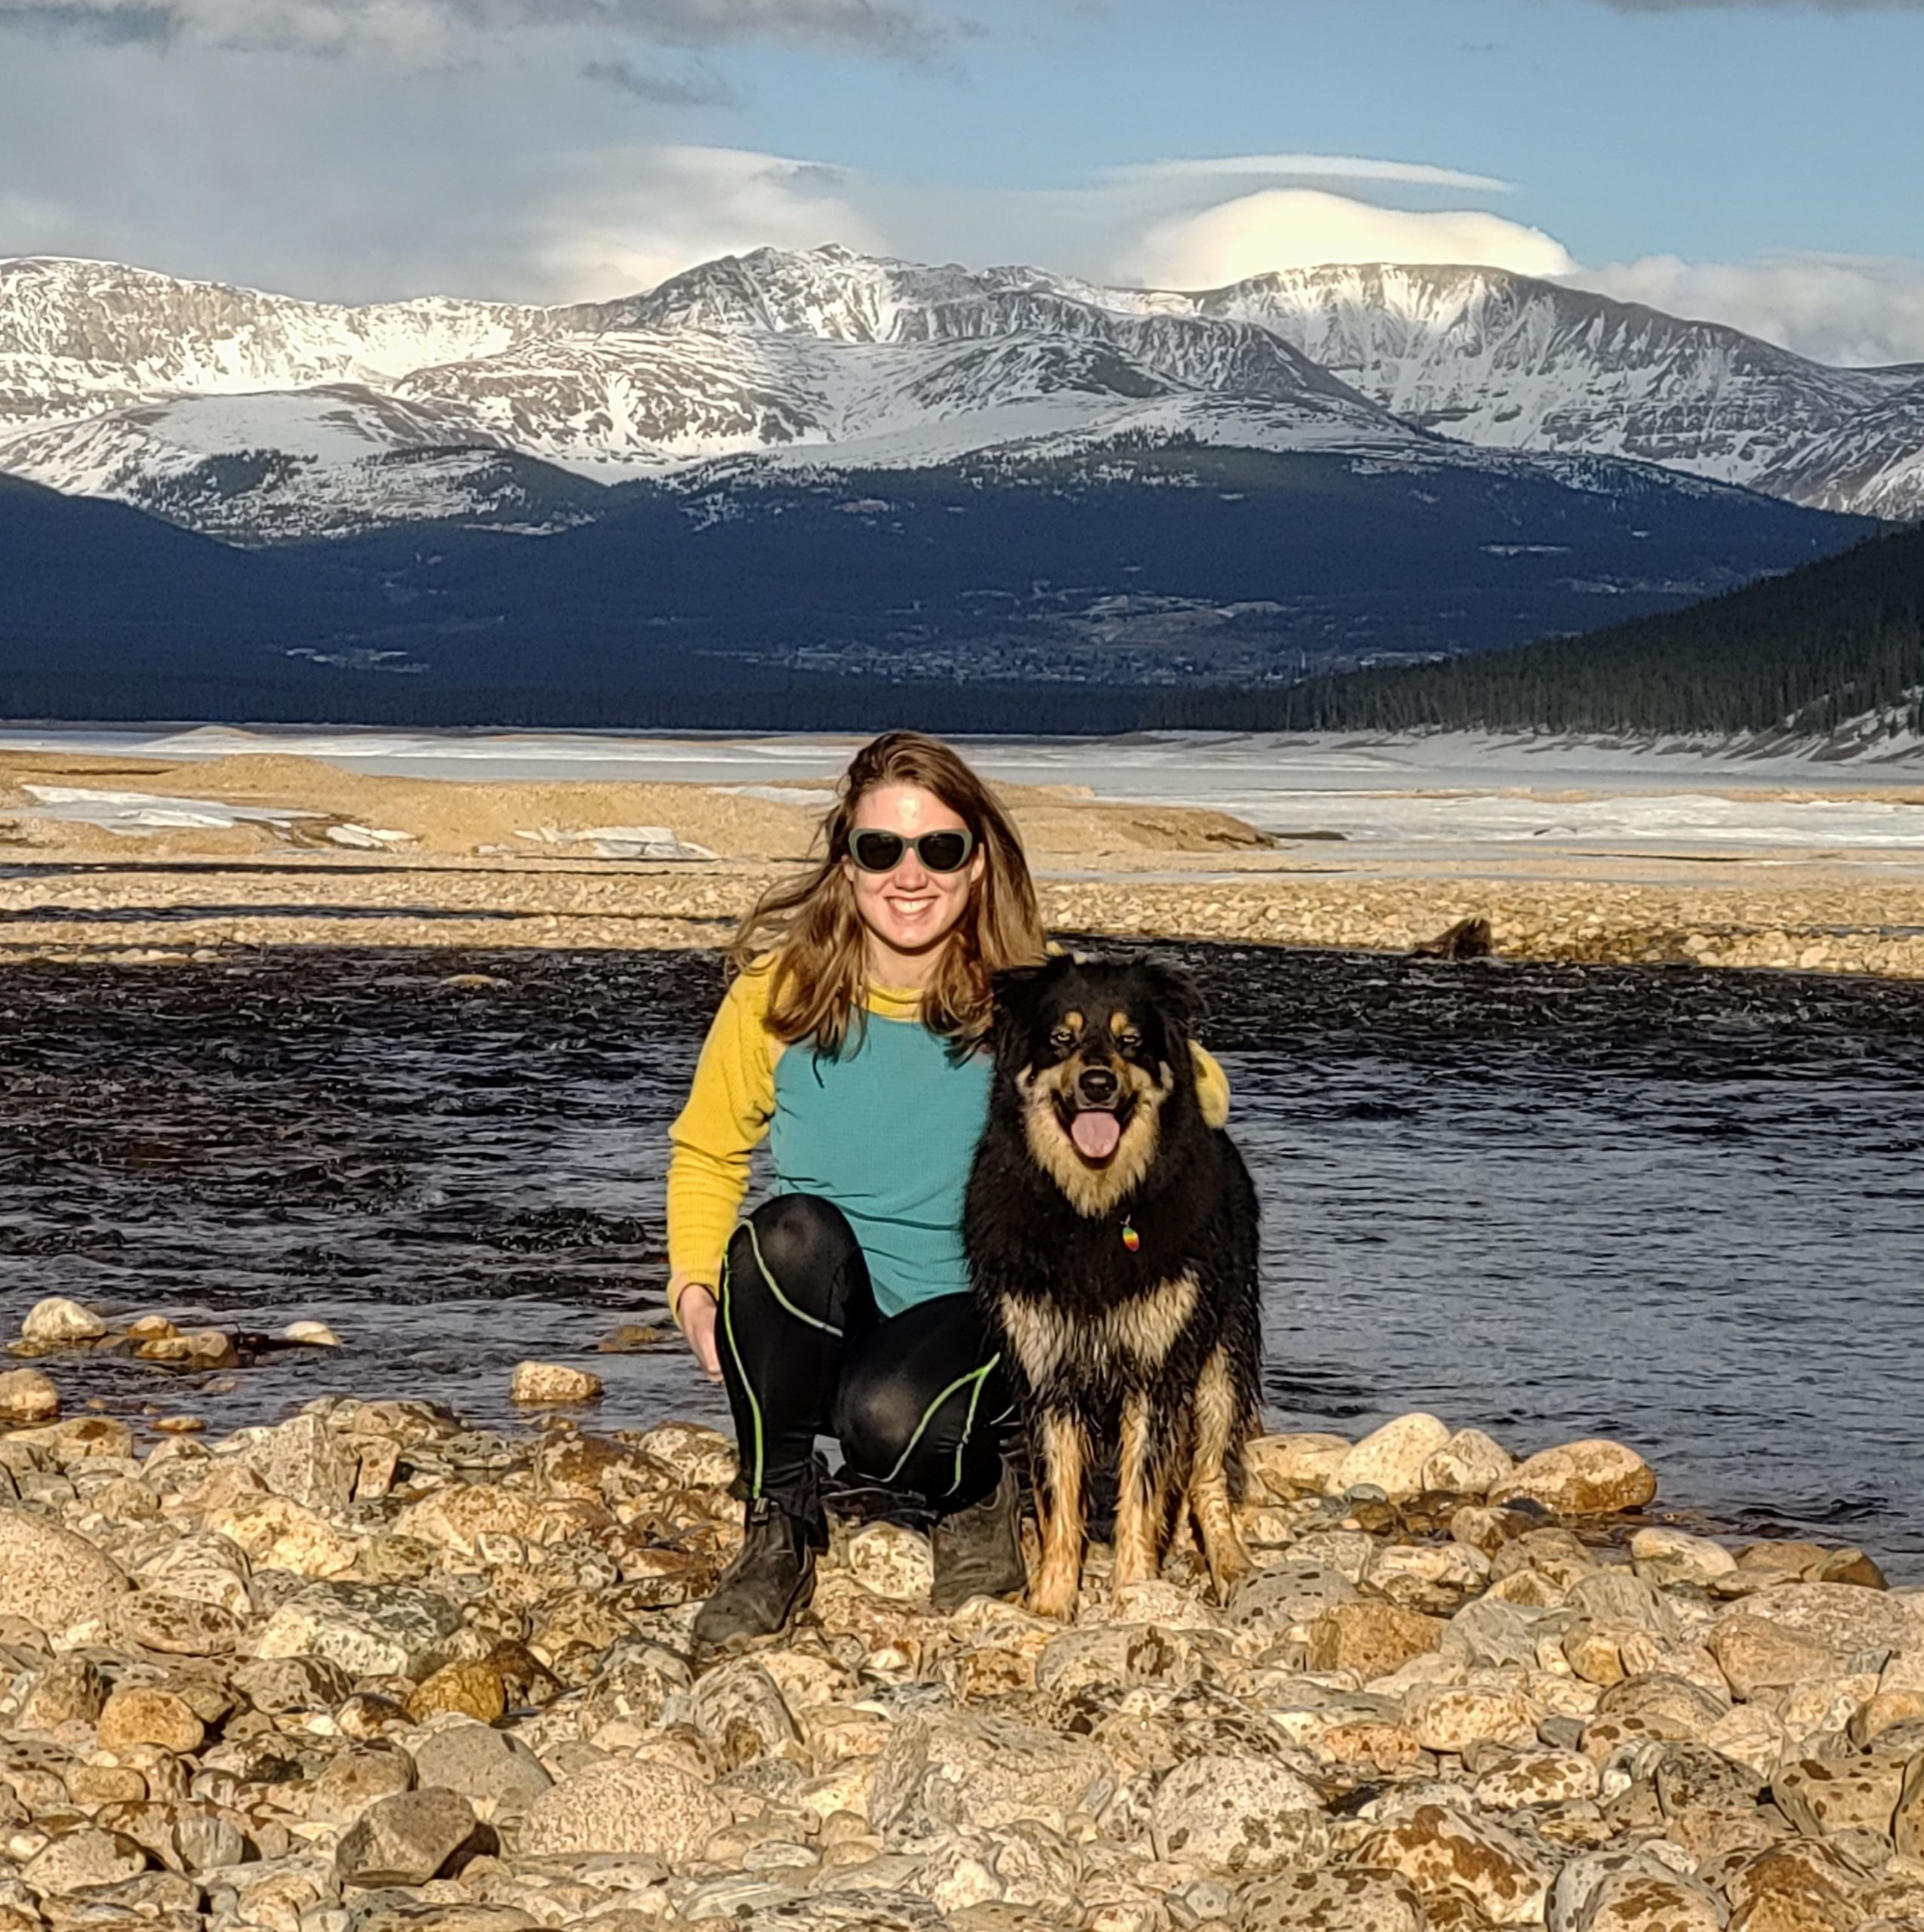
x=629, y=220
x=1854, y=309
x=437, y=32
x=1283, y=228
x=1305, y=167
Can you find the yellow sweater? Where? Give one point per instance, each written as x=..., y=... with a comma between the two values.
x=887, y=1131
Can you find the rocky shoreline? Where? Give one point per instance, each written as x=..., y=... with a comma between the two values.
x=371, y=1669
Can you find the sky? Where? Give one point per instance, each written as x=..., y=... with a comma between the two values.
x=1751, y=161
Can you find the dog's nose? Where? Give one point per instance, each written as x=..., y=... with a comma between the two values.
x=1097, y=1085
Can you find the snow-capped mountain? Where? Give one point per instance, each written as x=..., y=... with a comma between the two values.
x=258, y=417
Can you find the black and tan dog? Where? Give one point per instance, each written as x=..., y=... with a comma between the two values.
x=1111, y=1236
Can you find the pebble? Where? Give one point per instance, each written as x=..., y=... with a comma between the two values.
x=59, y=1323
x=247, y=1685
x=536, y=1383
x=27, y=1397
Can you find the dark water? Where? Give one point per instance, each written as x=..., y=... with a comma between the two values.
x=1677, y=1208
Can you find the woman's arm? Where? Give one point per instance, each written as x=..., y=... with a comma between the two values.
x=727, y=1112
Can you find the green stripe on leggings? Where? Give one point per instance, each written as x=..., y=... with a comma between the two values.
x=975, y=1375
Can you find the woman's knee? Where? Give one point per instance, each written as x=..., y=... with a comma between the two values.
x=801, y=1249
x=878, y=1420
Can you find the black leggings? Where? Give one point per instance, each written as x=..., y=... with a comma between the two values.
x=913, y=1399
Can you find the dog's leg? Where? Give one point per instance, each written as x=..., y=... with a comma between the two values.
x=1219, y=1417
x=1141, y=1503
x=1062, y=1489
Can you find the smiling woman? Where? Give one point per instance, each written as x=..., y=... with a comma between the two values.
x=839, y=1307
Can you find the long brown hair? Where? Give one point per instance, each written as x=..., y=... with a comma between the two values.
x=820, y=943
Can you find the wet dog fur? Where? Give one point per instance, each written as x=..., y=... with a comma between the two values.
x=1145, y=1342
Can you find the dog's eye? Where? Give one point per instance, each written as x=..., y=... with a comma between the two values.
x=1062, y=1038
x=1129, y=1041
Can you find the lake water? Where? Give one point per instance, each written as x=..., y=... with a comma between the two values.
x=1677, y=1208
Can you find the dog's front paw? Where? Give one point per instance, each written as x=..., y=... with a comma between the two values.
x=1052, y=1596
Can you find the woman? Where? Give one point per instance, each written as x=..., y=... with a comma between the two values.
x=849, y=1037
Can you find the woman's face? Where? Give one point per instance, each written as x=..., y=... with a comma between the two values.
x=909, y=910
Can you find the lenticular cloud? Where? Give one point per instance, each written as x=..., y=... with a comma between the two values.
x=1287, y=228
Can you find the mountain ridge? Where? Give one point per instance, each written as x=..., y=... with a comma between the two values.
x=848, y=357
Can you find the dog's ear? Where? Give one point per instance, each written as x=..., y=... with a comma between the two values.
x=1177, y=996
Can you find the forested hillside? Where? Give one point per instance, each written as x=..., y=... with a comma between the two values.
x=1802, y=653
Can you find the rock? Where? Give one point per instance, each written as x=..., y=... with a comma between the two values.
x=203, y=1569
x=1644, y=1900
x=203, y=1842
x=1662, y=1557
x=1845, y=1617
x=1372, y=1639
x=311, y=1334
x=78, y=1860
x=57, y=1322
x=278, y=1533
x=355, y=1779
x=1777, y=1893
x=696, y=1456
x=1823, y=1797
x=27, y=1397
x=1288, y=1466
x=177, y=1627
x=469, y=1690
x=1756, y=1654
x=1237, y=1815
x=984, y=1770
x=292, y=1684
x=1342, y=1900
x=1470, y=1463
x=536, y=1383
x=1534, y=1778
x=197, y=1348
x=618, y=1806
x=738, y=1708
x=70, y=1690
x=1442, y=1851
x=407, y=1839
x=1455, y=1718
x=892, y=1562
x=461, y=1519
x=488, y=1766
x=1392, y=1457
x=1592, y=1477
x=305, y=1461
x=51, y=1577
x=369, y=1629
x=134, y=1716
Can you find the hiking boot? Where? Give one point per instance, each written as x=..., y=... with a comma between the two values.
x=772, y=1578
x=978, y=1550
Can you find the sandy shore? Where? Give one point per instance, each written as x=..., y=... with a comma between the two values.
x=299, y=852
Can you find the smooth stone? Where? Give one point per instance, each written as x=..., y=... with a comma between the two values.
x=1455, y=1718
x=1595, y=1477
x=27, y=1397
x=1441, y=1850
x=1470, y=1463
x=51, y=1578
x=58, y=1322
x=353, y=1781
x=892, y=1562
x=634, y=1806
x=1846, y=1617
x=292, y=1684
x=1392, y=1457
x=407, y=1839
x=985, y=1771
x=1289, y=1466
x=1822, y=1797
x=537, y=1384
x=304, y=1460
x=1343, y=1899
x=177, y=1626
x=1237, y=1815
x=137, y=1716
x=1663, y=1557
x=369, y=1629
x=79, y=1860
x=482, y=1763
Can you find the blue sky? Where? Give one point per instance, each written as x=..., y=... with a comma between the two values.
x=1755, y=161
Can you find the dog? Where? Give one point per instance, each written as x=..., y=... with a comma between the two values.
x=1112, y=1236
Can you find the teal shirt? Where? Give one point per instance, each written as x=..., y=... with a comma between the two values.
x=887, y=1131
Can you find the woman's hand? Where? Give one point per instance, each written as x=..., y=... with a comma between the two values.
x=694, y=1309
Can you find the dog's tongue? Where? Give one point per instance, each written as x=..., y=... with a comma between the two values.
x=1095, y=1134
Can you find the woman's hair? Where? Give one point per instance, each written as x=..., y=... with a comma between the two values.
x=820, y=968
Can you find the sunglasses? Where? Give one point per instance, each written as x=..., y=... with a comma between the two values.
x=875, y=850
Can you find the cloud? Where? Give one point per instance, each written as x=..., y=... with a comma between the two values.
x=1284, y=228
x=1861, y=310
x=1304, y=168
x=629, y=220
x=438, y=32
x=699, y=86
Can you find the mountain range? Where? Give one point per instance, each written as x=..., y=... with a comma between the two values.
x=816, y=472
x=262, y=418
